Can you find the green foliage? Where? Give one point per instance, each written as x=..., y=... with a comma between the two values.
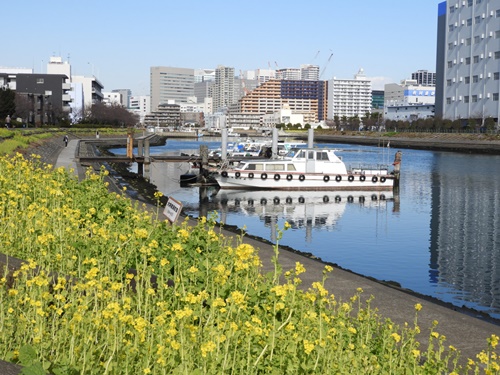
x=7, y=104
x=108, y=288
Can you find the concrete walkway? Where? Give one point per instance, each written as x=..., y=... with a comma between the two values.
x=466, y=332
x=67, y=157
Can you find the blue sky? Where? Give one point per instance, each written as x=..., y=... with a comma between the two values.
x=119, y=40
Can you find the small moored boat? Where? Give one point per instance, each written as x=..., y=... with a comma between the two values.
x=305, y=169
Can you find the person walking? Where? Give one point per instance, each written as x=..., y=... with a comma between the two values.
x=66, y=139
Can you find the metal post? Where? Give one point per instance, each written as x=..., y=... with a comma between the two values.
x=224, y=144
x=310, y=138
x=274, y=147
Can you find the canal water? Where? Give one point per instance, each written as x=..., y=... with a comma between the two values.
x=440, y=236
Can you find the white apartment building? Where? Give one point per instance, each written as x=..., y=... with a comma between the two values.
x=349, y=97
x=140, y=106
x=309, y=72
x=468, y=59
x=293, y=74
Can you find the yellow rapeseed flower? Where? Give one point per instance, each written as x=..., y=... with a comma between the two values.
x=207, y=347
x=418, y=307
x=299, y=268
x=308, y=346
x=396, y=337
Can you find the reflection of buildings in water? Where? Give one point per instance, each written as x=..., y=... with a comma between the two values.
x=167, y=176
x=465, y=228
x=302, y=210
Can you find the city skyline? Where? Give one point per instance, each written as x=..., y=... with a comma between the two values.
x=119, y=43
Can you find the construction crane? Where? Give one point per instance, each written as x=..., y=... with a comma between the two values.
x=317, y=53
x=326, y=64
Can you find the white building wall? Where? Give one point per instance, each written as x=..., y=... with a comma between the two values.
x=408, y=112
x=408, y=93
x=56, y=65
x=113, y=98
x=472, y=59
x=140, y=106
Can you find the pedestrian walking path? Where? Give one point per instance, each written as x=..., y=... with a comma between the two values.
x=466, y=332
x=67, y=157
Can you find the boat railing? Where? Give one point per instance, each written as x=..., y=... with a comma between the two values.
x=360, y=168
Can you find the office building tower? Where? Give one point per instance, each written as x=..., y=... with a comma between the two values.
x=424, y=78
x=170, y=84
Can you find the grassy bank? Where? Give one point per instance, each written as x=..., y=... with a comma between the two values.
x=108, y=288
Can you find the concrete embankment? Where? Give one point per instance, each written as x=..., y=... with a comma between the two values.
x=467, y=143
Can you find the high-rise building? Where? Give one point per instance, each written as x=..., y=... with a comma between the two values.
x=169, y=84
x=424, y=78
x=468, y=59
x=309, y=72
x=308, y=98
x=293, y=74
x=223, y=89
x=350, y=97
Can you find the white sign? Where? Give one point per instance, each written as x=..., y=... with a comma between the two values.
x=172, y=209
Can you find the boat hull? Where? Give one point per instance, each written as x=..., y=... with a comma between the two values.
x=303, y=181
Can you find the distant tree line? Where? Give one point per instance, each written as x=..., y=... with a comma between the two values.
x=375, y=122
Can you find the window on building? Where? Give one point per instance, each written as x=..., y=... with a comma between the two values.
x=467, y=80
x=467, y=61
x=497, y=34
x=466, y=99
x=474, y=98
x=498, y=13
x=450, y=64
x=470, y=3
x=450, y=45
x=469, y=21
x=478, y=1
x=476, y=59
x=452, y=9
x=475, y=79
x=495, y=96
x=496, y=76
x=448, y=100
x=477, y=19
x=497, y=55
x=468, y=41
x=448, y=82
x=477, y=39
x=450, y=28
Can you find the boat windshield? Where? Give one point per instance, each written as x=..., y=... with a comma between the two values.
x=292, y=152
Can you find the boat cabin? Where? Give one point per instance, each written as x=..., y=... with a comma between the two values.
x=303, y=160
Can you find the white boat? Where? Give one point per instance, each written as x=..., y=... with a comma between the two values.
x=304, y=169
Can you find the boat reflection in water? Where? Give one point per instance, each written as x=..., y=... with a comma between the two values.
x=303, y=210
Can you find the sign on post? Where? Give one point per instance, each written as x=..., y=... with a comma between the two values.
x=172, y=209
